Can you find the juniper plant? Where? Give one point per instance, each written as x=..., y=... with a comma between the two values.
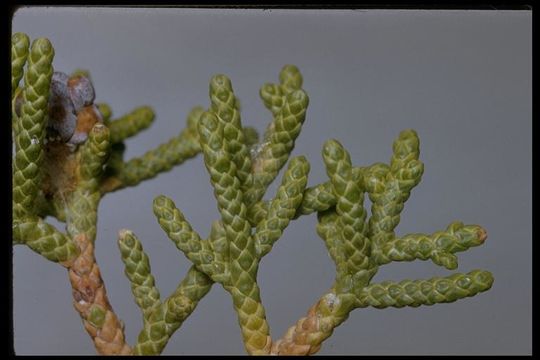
x=69, y=154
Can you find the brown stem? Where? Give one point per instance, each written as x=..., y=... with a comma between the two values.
x=110, y=184
x=90, y=300
x=307, y=335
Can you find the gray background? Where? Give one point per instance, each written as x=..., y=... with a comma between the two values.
x=461, y=79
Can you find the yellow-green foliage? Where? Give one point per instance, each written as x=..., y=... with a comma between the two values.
x=240, y=169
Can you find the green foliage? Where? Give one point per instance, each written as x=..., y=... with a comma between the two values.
x=240, y=168
x=30, y=127
x=138, y=272
x=130, y=124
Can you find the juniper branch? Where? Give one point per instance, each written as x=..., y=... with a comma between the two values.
x=131, y=124
x=137, y=270
x=19, y=52
x=30, y=129
x=163, y=158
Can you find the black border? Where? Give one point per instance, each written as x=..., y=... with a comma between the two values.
x=397, y=5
